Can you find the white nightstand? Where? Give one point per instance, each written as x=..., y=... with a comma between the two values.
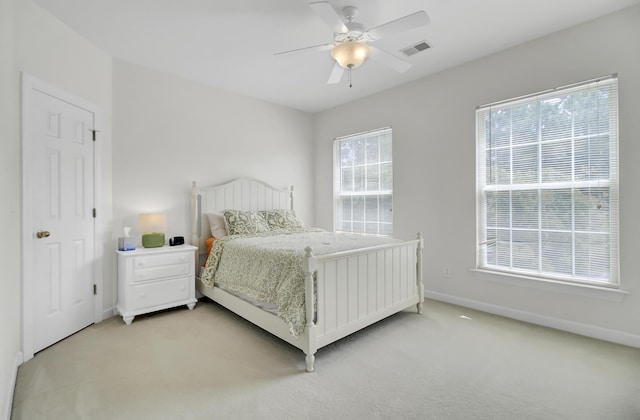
x=151, y=279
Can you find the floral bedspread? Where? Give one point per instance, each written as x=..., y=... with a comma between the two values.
x=268, y=266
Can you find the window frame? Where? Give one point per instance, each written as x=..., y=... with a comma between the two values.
x=612, y=183
x=339, y=193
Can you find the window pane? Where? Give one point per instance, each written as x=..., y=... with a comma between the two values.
x=556, y=161
x=371, y=228
x=592, y=209
x=347, y=154
x=556, y=252
x=525, y=250
x=503, y=248
x=386, y=176
x=525, y=123
x=358, y=209
x=502, y=211
x=525, y=209
x=386, y=229
x=385, y=149
x=556, y=118
x=556, y=209
x=592, y=256
x=359, y=152
x=358, y=179
x=373, y=154
x=525, y=164
x=371, y=206
x=373, y=177
x=502, y=166
x=347, y=179
x=386, y=209
x=548, y=183
x=500, y=128
x=345, y=213
x=364, y=170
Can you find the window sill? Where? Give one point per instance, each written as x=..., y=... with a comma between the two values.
x=591, y=291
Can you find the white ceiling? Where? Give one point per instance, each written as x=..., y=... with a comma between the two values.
x=230, y=44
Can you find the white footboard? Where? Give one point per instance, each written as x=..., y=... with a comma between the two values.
x=358, y=288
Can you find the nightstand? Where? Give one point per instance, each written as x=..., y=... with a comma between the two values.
x=151, y=279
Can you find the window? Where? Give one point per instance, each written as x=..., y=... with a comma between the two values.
x=363, y=180
x=548, y=184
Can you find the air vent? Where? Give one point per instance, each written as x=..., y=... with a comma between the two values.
x=415, y=49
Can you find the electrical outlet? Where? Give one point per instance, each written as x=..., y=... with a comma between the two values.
x=446, y=272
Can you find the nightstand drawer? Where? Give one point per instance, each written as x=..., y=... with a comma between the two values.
x=148, y=261
x=154, y=273
x=159, y=293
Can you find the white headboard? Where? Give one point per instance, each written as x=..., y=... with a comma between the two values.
x=244, y=194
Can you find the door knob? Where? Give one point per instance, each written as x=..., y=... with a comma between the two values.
x=42, y=234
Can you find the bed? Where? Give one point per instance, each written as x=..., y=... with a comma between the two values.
x=342, y=291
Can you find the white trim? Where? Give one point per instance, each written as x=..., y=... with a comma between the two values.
x=109, y=312
x=8, y=404
x=31, y=83
x=577, y=289
x=606, y=334
x=99, y=225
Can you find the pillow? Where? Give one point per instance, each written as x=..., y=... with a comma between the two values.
x=217, y=225
x=209, y=244
x=244, y=222
x=281, y=219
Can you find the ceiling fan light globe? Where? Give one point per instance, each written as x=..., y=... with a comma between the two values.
x=350, y=54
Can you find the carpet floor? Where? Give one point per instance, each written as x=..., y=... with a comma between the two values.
x=447, y=363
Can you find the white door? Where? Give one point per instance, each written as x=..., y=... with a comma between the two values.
x=59, y=215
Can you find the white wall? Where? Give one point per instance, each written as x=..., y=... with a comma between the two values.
x=433, y=122
x=32, y=41
x=169, y=132
x=9, y=214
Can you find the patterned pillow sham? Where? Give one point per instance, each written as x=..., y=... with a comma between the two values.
x=281, y=219
x=244, y=222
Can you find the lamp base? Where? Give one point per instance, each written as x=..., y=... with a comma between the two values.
x=153, y=240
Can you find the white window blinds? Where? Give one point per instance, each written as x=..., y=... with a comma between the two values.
x=547, y=184
x=363, y=183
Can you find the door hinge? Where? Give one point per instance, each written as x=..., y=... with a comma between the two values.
x=94, y=134
x=94, y=213
x=95, y=289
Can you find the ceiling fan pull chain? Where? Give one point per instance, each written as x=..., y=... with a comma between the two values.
x=349, y=71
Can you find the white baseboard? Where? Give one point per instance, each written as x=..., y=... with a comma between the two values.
x=8, y=404
x=109, y=312
x=587, y=330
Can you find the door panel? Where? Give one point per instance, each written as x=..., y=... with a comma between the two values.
x=61, y=202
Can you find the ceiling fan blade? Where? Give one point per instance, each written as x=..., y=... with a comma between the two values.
x=327, y=13
x=336, y=74
x=321, y=47
x=389, y=59
x=412, y=21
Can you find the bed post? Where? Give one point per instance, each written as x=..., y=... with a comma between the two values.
x=195, y=221
x=419, y=282
x=309, y=266
x=291, y=198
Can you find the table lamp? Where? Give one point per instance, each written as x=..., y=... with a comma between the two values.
x=152, y=226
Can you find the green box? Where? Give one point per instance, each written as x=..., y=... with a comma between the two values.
x=153, y=240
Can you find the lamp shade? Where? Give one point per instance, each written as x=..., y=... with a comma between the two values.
x=152, y=222
x=350, y=54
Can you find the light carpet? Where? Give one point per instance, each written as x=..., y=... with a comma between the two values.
x=448, y=363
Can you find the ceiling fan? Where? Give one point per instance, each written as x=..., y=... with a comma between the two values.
x=350, y=47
